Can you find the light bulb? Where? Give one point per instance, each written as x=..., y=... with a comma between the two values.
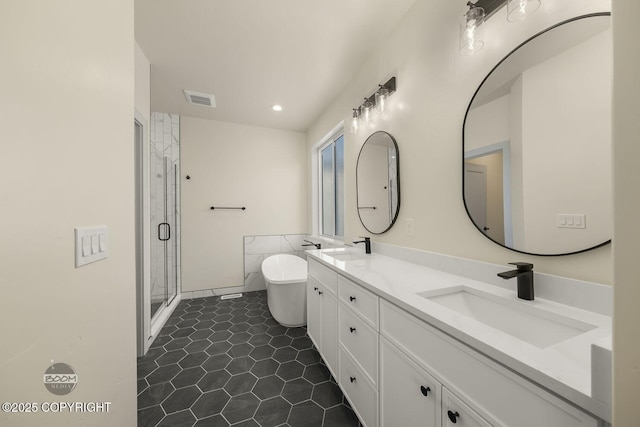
x=355, y=121
x=518, y=10
x=381, y=98
x=367, y=110
x=471, y=39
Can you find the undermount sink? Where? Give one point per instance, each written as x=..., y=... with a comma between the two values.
x=518, y=319
x=345, y=255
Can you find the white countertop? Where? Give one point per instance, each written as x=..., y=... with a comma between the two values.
x=563, y=368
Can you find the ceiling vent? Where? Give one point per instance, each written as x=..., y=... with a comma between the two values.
x=198, y=98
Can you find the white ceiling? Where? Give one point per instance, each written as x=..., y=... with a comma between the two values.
x=252, y=54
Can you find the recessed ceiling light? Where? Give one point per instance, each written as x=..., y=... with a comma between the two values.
x=277, y=107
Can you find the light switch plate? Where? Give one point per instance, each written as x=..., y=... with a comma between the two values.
x=91, y=244
x=571, y=221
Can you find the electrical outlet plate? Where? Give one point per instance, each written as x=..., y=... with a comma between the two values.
x=409, y=227
x=91, y=244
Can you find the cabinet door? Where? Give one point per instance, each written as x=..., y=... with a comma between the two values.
x=408, y=395
x=329, y=329
x=313, y=312
x=455, y=413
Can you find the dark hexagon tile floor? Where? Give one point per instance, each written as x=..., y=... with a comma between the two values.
x=229, y=363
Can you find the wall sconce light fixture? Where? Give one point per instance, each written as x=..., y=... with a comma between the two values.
x=377, y=101
x=471, y=37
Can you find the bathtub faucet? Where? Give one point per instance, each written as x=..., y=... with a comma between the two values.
x=367, y=244
x=310, y=243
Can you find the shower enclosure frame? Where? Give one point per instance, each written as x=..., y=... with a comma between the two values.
x=149, y=323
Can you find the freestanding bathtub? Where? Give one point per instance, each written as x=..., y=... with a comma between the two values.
x=286, y=279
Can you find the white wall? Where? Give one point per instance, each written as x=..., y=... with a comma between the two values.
x=142, y=83
x=435, y=85
x=572, y=143
x=67, y=112
x=626, y=233
x=488, y=124
x=236, y=165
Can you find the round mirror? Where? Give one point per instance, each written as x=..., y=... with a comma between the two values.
x=378, y=182
x=537, y=142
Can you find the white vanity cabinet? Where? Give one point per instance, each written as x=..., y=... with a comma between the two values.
x=322, y=312
x=487, y=393
x=410, y=396
x=398, y=370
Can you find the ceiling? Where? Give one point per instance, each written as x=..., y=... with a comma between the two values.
x=252, y=54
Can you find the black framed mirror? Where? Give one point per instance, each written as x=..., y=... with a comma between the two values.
x=537, y=142
x=378, y=182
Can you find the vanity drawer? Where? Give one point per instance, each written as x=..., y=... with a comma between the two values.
x=360, y=340
x=491, y=390
x=455, y=411
x=324, y=275
x=360, y=300
x=356, y=387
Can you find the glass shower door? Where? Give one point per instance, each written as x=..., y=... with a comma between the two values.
x=157, y=223
x=164, y=223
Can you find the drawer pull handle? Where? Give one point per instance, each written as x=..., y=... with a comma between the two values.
x=352, y=379
x=320, y=292
x=453, y=416
x=315, y=288
x=425, y=390
x=352, y=299
x=351, y=329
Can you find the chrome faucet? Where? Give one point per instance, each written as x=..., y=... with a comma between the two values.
x=367, y=244
x=524, y=275
x=310, y=243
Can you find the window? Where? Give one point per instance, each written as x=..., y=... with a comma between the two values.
x=332, y=186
